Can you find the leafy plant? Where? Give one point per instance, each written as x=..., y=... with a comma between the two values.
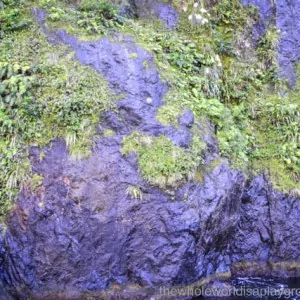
x=36, y=181
x=88, y=18
x=42, y=98
x=103, y=7
x=12, y=16
x=217, y=73
x=267, y=46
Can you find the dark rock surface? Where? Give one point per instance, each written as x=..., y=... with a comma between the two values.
x=187, y=119
x=82, y=231
x=269, y=226
x=164, y=11
x=267, y=11
x=285, y=14
x=167, y=14
x=288, y=21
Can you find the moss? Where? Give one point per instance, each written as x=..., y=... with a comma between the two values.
x=49, y=95
x=172, y=108
x=199, y=176
x=277, y=140
x=210, y=70
x=88, y=21
x=280, y=175
x=214, y=71
x=36, y=181
x=146, y=64
x=133, y=55
x=134, y=192
x=182, y=62
x=215, y=163
x=161, y=162
x=109, y=132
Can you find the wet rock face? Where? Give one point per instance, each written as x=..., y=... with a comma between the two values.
x=130, y=72
x=266, y=11
x=285, y=14
x=81, y=230
x=269, y=225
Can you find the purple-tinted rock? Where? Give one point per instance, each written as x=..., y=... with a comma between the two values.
x=269, y=225
x=285, y=14
x=266, y=12
x=167, y=14
x=288, y=21
x=187, y=119
x=82, y=231
x=163, y=11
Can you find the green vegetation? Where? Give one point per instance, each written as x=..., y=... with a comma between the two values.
x=88, y=20
x=13, y=16
x=209, y=62
x=133, y=55
x=214, y=70
x=279, y=119
x=36, y=181
x=44, y=94
x=267, y=54
x=161, y=163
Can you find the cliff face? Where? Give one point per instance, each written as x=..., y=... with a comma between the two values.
x=282, y=13
x=287, y=20
x=81, y=230
x=285, y=15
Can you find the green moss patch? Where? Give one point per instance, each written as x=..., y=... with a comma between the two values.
x=161, y=162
